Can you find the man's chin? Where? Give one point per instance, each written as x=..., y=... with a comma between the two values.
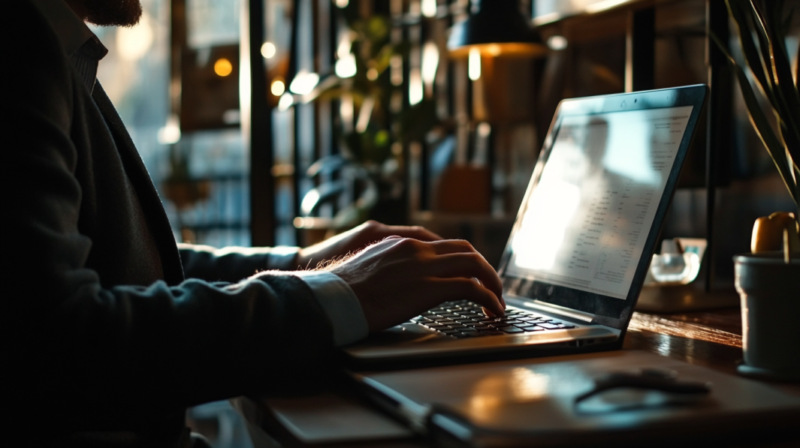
x=113, y=12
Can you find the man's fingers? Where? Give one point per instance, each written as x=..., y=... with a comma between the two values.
x=465, y=265
x=452, y=247
x=450, y=289
x=416, y=232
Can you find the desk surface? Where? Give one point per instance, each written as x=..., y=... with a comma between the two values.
x=710, y=339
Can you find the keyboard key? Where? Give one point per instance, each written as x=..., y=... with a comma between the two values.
x=549, y=326
x=511, y=330
x=567, y=326
x=533, y=328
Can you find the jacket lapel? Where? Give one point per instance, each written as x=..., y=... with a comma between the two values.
x=140, y=179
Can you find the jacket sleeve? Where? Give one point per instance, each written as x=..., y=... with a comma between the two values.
x=71, y=343
x=231, y=264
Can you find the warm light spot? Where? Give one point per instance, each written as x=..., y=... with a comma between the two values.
x=268, y=50
x=347, y=111
x=512, y=49
x=346, y=66
x=430, y=63
x=372, y=74
x=557, y=42
x=397, y=149
x=343, y=49
x=494, y=49
x=519, y=385
x=342, y=3
x=304, y=82
x=365, y=114
x=278, y=87
x=474, y=68
x=223, y=67
x=429, y=8
x=484, y=129
x=285, y=102
x=415, y=88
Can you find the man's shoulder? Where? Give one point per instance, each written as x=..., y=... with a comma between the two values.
x=42, y=78
x=36, y=46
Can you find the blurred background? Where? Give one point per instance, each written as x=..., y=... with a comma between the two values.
x=281, y=122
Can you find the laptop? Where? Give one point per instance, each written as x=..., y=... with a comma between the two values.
x=582, y=242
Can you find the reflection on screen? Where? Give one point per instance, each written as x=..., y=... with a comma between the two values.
x=585, y=223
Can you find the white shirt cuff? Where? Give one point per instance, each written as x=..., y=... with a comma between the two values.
x=282, y=258
x=340, y=305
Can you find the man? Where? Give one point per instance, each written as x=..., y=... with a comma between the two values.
x=111, y=329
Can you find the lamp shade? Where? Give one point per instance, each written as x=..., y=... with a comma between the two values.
x=495, y=27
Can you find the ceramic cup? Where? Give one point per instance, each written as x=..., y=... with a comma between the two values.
x=770, y=294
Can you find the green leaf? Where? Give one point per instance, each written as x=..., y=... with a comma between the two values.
x=752, y=56
x=790, y=141
x=783, y=71
x=752, y=23
x=760, y=123
x=787, y=102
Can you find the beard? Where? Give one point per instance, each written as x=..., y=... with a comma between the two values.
x=113, y=12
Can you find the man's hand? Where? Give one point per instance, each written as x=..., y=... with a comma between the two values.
x=356, y=239
x=399, y=278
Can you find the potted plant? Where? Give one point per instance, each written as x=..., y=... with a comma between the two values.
x=368, y=172
x=767, y=279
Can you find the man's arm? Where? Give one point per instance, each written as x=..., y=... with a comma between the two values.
x=234, y=263
x=123, y=349
x=231, y=264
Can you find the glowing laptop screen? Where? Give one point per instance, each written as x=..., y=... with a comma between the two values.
x=585, y=221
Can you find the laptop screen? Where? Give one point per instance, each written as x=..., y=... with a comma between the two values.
x=591, y=206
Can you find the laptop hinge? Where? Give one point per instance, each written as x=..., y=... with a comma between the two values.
x=567, y=312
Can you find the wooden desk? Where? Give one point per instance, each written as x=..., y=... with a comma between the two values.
x=710, y=339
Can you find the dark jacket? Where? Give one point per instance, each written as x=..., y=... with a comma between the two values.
x=103, y=329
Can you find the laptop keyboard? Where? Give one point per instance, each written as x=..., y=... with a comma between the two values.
x=465, y=319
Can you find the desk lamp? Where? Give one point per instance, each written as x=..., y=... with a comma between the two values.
x=499, y=43
x=495, y=27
